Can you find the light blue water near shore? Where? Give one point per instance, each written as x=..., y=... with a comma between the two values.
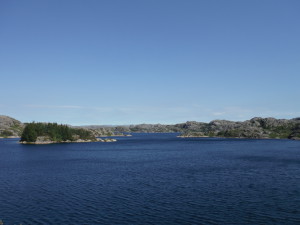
x=151, y=179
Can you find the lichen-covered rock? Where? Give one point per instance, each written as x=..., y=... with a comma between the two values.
x=10, y=127
x=106, y=140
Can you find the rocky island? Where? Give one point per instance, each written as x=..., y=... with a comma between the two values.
x=50, y=133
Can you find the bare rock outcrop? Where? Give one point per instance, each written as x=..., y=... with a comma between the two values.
x=10, y=127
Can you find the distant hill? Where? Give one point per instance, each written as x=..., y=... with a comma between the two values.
x=99, y=131
x=254, y=128
x=10, y=127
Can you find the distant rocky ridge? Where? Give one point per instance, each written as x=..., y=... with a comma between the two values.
x=254, y=128
x=99, y=131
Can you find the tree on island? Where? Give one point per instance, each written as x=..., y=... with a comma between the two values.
x=29, y=133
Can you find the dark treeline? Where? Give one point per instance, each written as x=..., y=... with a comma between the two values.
x=55, y=132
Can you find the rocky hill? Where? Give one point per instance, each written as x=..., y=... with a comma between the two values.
x=100, y=131
x=10, y=127
x=254, y=128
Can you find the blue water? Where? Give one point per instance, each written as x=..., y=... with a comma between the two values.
x=151, y=179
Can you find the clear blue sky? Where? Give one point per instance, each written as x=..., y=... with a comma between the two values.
x=149, y=61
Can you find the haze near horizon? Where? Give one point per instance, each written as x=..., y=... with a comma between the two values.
x=129, y=62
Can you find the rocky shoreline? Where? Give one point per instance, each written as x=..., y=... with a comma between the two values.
x=258, y=138
x=116, y=135
x=11, y=137
x=192, y=136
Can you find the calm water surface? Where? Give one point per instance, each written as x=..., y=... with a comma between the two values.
x=151, y=179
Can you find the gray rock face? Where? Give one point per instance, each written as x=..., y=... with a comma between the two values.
x=150, y=128
x=99, y=131
x=10, y=127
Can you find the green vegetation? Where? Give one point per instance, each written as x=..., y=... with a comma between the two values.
x=296, y=132
x=230, y=133
x=54, y=132
x=210, y=134
x=6, y=133
x=281, y=131
x=254, y=128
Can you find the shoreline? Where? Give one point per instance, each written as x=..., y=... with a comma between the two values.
x=117, y=135
x=11, y=137
x=264, y=138
x=192, y=136
x=63, y=142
